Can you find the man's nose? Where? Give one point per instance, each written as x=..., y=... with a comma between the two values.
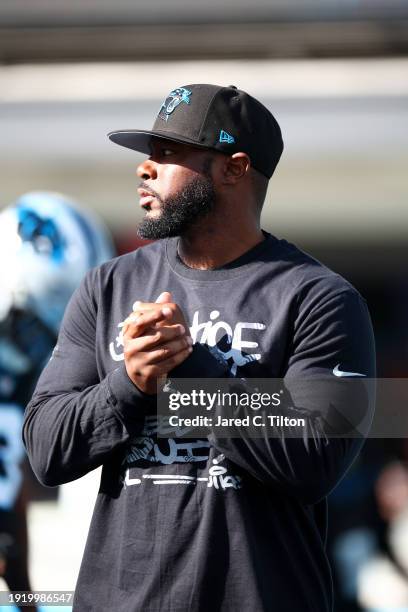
x=147, y=170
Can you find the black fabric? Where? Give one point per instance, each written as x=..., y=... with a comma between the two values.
x=205, y=524
x=222, y=118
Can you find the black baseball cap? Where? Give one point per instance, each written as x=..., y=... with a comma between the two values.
x=210, y=116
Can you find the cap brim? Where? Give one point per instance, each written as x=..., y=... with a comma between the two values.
x=140, y=140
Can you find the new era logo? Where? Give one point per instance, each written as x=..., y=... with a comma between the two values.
x=225, y=137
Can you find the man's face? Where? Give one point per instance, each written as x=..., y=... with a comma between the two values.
x=177, y=189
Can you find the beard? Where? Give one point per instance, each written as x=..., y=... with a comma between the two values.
x=182, y=211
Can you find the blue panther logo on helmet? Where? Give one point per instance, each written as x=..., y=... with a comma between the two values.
x=42, y=233
x=175, y=97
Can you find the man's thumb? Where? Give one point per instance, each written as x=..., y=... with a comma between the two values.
x=164, y=298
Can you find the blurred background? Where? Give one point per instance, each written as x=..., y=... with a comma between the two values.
x=335, y=75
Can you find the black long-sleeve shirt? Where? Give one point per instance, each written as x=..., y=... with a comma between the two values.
x=168, y=533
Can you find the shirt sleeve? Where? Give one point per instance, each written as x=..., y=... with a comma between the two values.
x=331, y=332
x=74, y=420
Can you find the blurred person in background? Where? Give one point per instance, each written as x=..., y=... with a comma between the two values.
x=356, y=529
x=382, y=581
x=47, y=243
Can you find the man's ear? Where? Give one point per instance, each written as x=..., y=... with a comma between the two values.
x=236, y=167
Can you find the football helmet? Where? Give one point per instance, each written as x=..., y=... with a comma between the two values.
x=47, y=243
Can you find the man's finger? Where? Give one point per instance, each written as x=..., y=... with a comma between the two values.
x=155, y=338
x=164, y=297
x=139, y=307
x=168, y=308
x=165, y=351
x=135, y=326
x=169, y=364
x=163, y=367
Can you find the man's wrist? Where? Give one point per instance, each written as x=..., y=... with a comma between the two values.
x=202, y=363
x=126, y=399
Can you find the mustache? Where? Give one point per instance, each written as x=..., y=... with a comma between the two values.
x=151, y=191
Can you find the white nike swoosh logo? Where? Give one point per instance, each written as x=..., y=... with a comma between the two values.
x=338, y=372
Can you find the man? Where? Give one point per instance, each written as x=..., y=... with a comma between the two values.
x=212, y=523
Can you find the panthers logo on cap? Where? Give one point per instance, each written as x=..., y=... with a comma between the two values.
x=173, y=100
